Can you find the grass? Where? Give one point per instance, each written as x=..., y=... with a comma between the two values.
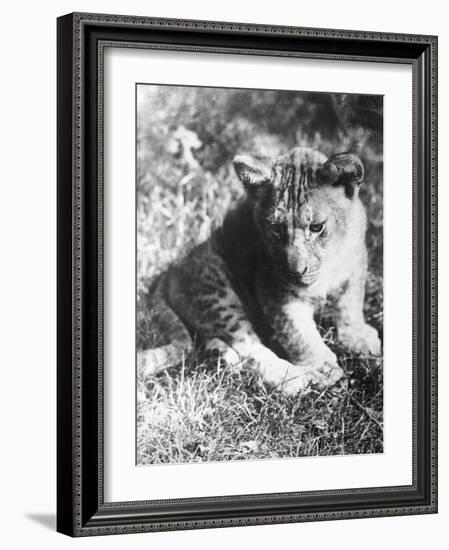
x=204, y=411
x=201, y=410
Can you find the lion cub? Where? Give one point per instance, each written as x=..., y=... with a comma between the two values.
x=251, y=289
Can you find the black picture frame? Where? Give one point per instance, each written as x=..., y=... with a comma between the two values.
x=81, y=509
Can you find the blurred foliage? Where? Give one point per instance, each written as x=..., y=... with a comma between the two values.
x=227, y=120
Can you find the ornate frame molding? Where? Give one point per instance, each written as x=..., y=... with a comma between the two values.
x=81, y=510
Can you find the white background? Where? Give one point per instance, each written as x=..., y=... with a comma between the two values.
x=125, y=481
x=28, y=322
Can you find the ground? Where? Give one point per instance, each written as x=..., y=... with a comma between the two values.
x=202, y=411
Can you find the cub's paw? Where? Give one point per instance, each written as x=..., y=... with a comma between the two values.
x=218, y=347
x=293, y=379
x=360, y=339
x=141, y=365
x=285, y=376
x=326, y=375
x=325, y=356
x=150, y=362
x=323, y=370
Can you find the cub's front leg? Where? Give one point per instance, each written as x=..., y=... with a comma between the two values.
x=202, y=294
x=296, y=332
x=352, y=331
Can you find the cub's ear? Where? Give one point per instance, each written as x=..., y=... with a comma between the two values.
x=343, y=169
x=253, y=170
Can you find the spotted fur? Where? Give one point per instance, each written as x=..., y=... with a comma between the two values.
x=250, y=291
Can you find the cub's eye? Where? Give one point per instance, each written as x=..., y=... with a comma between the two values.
x=278, y=230
x=316, y=227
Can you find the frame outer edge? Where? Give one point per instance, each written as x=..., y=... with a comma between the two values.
x=434, y=270
x=74, y=527
x=232, y=26
x=65, y=366
x=77, y=266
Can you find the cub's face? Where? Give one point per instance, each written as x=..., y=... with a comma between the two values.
x=297, y=239
x=301, y=203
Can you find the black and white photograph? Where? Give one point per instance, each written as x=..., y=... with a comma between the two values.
x=247, y=278
x=259, y=274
